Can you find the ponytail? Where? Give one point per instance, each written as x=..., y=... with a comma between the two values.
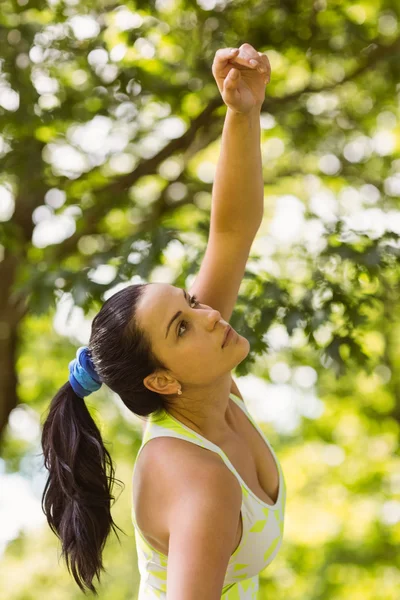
x=77, y=495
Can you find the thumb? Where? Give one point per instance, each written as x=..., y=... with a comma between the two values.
x=232, y=79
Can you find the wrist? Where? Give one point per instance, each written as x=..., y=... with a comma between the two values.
x=248, y=119
x=253, y=112
x=256, y=110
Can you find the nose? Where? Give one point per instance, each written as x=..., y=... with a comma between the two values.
x=213, y=318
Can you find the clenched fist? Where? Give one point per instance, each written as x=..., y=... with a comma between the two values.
x=241, y=82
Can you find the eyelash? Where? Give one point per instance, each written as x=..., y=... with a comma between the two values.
x=196, y=303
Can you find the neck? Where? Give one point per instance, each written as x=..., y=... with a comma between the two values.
x=209, y=413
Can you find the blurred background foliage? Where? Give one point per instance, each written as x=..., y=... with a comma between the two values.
x=110, y=126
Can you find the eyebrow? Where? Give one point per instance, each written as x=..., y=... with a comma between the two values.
x=176, y=315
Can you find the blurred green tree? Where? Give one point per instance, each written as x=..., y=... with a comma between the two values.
x=108, y=112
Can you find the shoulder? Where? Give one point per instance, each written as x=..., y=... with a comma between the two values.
x=178, y=467
x=202, y=497
x=171, y=456
x=170, y=471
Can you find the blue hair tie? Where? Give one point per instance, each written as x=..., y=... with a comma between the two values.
x=82, y=373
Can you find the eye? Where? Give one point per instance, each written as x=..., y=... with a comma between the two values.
x=194, y=300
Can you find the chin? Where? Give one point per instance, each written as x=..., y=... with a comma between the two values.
x=244, y=351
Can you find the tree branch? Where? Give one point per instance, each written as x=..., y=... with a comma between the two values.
x=114, y=189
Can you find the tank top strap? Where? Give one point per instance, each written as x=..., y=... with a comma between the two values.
x=164, y=424
x=239, y=402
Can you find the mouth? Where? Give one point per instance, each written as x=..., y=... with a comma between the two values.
x=227, y=330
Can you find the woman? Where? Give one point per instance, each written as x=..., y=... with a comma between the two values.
x=208, y=491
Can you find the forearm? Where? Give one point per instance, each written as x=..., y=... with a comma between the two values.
x=238, y=190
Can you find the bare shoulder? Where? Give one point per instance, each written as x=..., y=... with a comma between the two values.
x=162, y=466
x=169, y=458
x=169, y=470
x=179, y=465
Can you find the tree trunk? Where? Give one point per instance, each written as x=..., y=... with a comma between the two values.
x=8, y=376
x=11, y=314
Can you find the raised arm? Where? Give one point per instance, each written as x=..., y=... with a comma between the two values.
x=238, y=191
x=236, y=214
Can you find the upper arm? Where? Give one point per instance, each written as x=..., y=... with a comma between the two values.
x=218, y=281
x=202, y=521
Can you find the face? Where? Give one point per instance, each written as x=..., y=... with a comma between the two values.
x=187, y=337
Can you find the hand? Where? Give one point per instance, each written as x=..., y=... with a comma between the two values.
x=241, y=84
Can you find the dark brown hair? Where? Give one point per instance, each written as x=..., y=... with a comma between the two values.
x=77, y=496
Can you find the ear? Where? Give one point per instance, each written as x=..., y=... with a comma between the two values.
x=158, y=382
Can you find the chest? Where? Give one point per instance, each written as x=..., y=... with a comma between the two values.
x=253, y=460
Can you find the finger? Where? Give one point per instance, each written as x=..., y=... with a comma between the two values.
x=232, y=79
x=246, y=56
x=265, y=62
x=246, y=62
x=258, y=64
x=254, y=59
x=248, y=53
x=224, y=54
x=248, y=49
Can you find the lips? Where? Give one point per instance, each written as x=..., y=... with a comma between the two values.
x=227, y=330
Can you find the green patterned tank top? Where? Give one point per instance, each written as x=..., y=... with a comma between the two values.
x=262, y=522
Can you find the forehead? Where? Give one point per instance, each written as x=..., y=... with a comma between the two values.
x=156, y=305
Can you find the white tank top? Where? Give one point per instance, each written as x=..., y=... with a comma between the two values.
x=262, y=523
